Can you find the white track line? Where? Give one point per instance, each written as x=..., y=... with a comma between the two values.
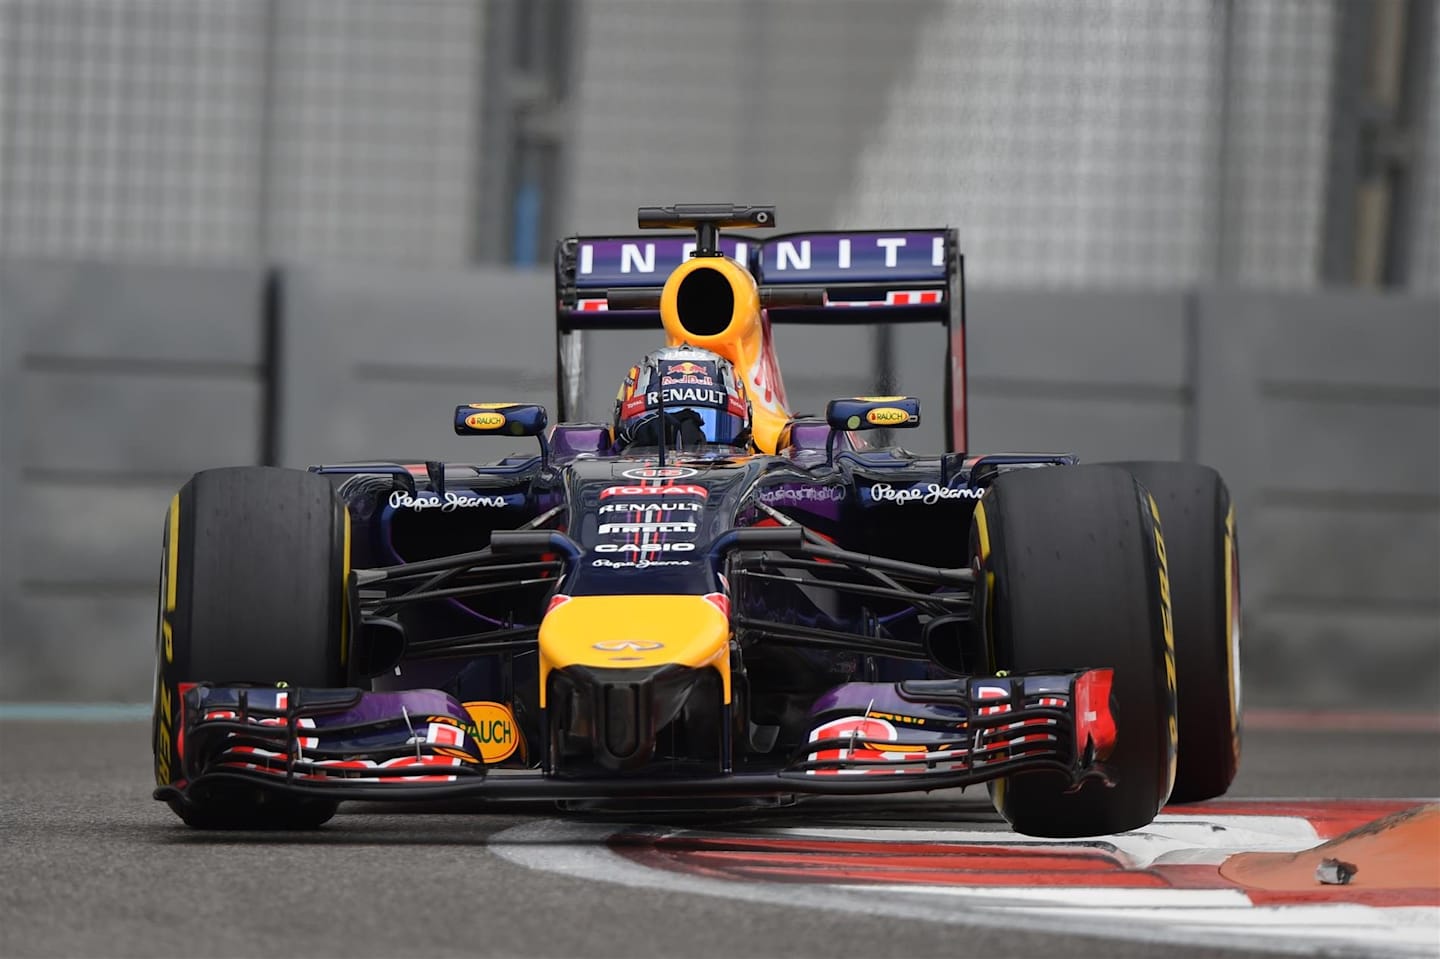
x=1218, y=918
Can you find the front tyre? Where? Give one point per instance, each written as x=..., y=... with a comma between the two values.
x=1072, y=560
x=252, y=590
x=1205, y=586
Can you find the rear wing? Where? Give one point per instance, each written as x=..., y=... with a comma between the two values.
x=831, y=277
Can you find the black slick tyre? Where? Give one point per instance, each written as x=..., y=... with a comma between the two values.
x=252, y=590
x=1199, y=522
x=1072, y=562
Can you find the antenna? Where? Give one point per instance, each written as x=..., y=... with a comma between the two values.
x=661, y=394
x=706, y=219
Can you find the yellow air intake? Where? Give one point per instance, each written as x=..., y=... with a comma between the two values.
x=712, y=302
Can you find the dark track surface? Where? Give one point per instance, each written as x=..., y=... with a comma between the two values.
x=90, y=866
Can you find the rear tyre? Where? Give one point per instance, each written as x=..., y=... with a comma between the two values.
x=1205, y=588
x=1073, y=567
x=252, y=590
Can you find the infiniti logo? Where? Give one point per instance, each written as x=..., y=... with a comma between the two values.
x=628, y=645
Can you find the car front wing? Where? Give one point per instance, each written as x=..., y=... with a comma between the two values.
x=866, y=738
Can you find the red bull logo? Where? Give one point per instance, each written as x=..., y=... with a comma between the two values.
x=687, y=373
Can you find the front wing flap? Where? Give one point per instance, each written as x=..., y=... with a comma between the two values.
x=981, y=728
x=865, y=738
x=326, y=735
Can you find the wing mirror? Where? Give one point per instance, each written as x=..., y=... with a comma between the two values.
x=857, y=413
x=505, y=419
x=873, y=413
x=500, y=419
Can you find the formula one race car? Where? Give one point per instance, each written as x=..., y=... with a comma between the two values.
x=706, y=597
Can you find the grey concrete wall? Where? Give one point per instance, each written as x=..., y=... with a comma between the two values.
x=227, y=129
x=1105, y=376
x=1323, y=412
x=118, y=383
x=374, y=361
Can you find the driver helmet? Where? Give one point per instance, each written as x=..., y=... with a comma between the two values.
x=703, y=401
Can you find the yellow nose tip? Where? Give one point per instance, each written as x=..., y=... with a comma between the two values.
x=626, y=632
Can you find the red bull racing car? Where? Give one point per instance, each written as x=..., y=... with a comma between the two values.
x=705, y=596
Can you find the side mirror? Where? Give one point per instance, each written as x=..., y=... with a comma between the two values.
x=500, y=419
x=873, y=413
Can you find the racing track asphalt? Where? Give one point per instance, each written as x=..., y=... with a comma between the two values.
x=90, y=866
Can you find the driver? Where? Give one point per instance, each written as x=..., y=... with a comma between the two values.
x=689, y=396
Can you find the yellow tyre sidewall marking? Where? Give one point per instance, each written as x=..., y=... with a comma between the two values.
x=1167, y=617
x=172, y=562
x=164, y=700
x=982, y=533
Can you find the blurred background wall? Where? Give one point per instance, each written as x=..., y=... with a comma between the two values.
x=292, y=231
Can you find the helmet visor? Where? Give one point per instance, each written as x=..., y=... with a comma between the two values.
x=720, y=426
x=690, y=426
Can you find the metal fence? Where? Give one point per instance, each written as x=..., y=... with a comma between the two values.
x=1114, y=143
x=233, y=129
